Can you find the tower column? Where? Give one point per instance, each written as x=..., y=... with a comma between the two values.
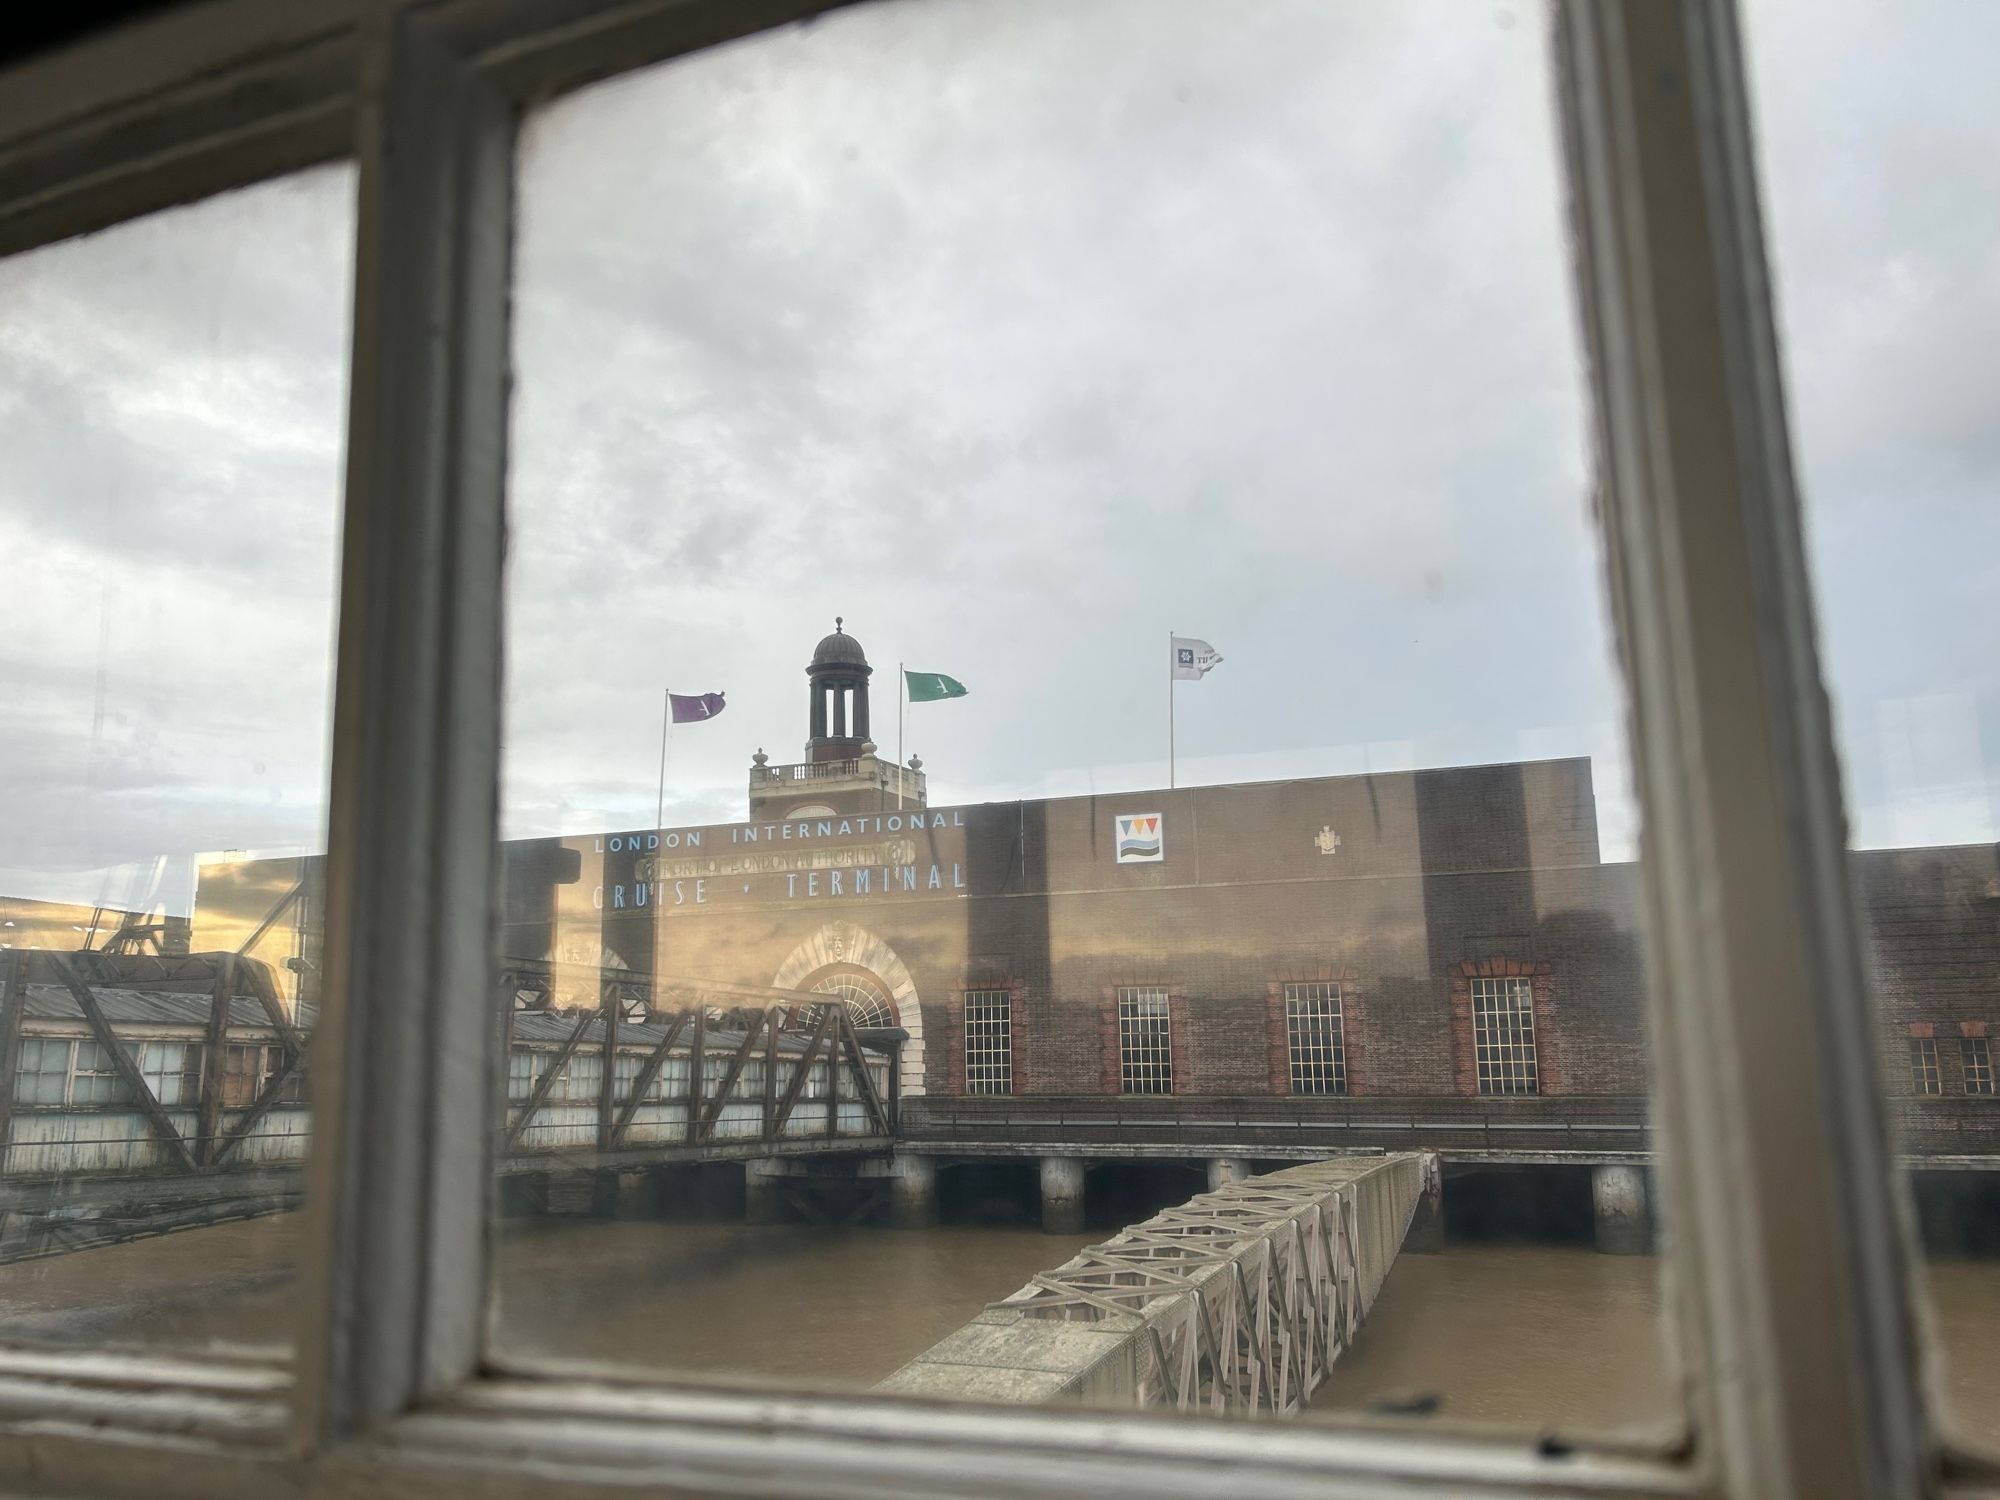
x=1226, y=1169
x=1062, y=1195
x=912, y=1191
x=1624, y=1222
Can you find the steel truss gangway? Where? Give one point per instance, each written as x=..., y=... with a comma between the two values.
x=1239, y=1300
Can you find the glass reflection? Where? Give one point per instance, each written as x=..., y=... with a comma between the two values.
x=171, y=402
x=1072, y=524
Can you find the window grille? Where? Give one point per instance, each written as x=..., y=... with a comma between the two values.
x=42, y=1076
x=522, y=1070
x=1314, y=1039
x=989, y=1042
x=1924, y=1076
x=1503, y=1036
x=866, y=1003
x=582, y=1076
x=1145, y=1042
x=94, y=1079
x=172, y=1070
x=242, y=1075
x=1976, y=1059
x=627, y=1074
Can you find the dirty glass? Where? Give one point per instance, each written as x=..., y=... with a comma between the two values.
x=172, y=397
x=1060, y=710
x=1881, y=168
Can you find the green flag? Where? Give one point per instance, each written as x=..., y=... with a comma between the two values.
x=928, y=687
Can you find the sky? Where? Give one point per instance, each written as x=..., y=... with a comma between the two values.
x=1019, y=334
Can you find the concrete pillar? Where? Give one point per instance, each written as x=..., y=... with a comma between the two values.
x=635, y=1195
x=1426, y=1236
x=761, y=1182
x=912, y=1191
x=1223, y=1169
x=1624, y=1224
x=1062, y=1195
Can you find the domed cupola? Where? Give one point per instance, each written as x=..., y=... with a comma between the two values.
x=838, y=681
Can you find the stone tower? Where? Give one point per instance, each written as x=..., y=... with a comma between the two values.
x=841, y=772
x=837, y=679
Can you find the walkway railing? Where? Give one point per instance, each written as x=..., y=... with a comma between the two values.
x=1522, y=1129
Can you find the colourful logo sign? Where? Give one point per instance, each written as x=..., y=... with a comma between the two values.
x=1141, y=838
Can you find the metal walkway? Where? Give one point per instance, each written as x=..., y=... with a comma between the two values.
x=1239, y=1300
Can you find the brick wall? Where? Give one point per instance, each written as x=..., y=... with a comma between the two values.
x=1397, y=887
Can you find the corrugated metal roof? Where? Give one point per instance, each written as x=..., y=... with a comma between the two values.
x=551, y=1028
x=121, y=1007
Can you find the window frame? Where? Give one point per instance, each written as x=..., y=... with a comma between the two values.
x=1975, y=1066
x=1145, y=1051
x=1791, y=1294
x=1926, y=1074
x=1332, y=1039
x=989, y=1066
x=1506, y=1050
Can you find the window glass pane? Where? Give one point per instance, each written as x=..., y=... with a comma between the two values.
x=989, y=1042
x=1882, y=216
x=1056, y=656
x=172, y=398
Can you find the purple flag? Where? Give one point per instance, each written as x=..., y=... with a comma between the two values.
x=691, y=706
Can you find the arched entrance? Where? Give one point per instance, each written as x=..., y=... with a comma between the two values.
x=852, y=963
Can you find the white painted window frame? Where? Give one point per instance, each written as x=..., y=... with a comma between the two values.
x=1788, y=1243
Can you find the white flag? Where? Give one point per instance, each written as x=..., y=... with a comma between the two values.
x=1194, y=659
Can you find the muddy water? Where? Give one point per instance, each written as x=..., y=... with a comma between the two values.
x=1524, y=1336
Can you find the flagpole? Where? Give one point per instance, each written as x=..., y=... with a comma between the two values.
x=1170, y=708
x=902, y=682
x=666, y=718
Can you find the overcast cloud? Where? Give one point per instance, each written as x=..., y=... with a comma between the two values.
x=1017, y=333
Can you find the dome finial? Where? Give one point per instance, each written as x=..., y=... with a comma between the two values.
x=838, y=622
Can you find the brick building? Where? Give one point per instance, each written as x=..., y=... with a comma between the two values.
x=1432, y=957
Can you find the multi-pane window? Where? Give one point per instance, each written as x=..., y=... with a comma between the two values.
x=248, y=1067
x=989, y=1042
x=1976, y=1058
x=94, y=1077
x=1145, y=1042
x=42, y=1077
x=1314, y=1039
x=1503, y=1035
x=523, y=1068
x=1924, y=1077
x=242, y=1075
x=581, y=1078
x=172, y=1070
x=625, y=1073
x=58, y=1071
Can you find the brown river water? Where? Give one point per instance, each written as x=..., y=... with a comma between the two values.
x=1539, y=1337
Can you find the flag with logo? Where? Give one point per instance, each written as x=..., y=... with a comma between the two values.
x=929, y=687
x=1193, y=659
x=688, y=707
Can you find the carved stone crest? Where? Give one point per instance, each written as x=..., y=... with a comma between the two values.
x=1327, y=841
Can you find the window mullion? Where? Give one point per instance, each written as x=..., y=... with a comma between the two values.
x=1789, y=1245
x=407, y=1045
